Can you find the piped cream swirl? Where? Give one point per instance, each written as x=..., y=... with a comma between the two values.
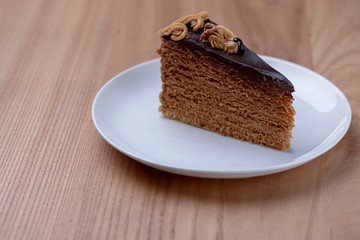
x=178, y=29
x=220, y=37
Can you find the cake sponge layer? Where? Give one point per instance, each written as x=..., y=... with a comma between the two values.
x=201, y=91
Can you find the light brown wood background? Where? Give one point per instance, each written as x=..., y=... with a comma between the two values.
x=60, y=180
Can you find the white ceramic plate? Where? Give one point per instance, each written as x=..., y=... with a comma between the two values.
x=125, y=112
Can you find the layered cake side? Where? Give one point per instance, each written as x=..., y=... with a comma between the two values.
x=211, y=80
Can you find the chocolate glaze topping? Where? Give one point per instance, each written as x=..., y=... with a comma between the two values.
x=253, y=67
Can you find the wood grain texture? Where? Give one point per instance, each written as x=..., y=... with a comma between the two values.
x=60, y=180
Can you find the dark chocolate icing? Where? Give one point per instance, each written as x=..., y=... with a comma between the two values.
x=251, y=65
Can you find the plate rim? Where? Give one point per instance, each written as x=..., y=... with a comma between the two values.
x=228, y=174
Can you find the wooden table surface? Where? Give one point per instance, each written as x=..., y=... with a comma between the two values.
x=60, y=180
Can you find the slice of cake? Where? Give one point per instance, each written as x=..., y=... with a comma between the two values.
x=211, y=80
